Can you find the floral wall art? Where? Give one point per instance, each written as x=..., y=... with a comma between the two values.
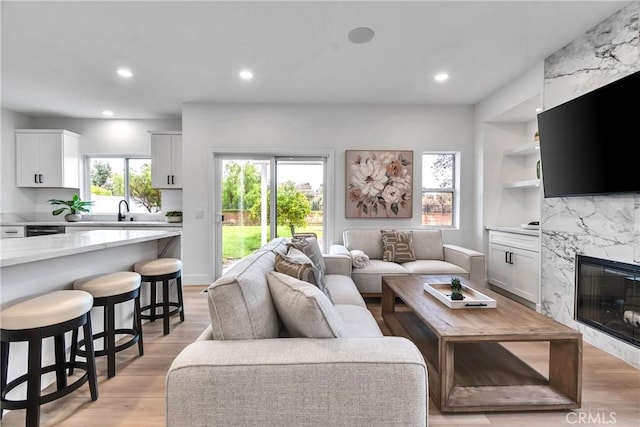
x=379, y=184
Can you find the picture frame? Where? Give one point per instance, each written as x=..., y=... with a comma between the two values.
x=379, y=183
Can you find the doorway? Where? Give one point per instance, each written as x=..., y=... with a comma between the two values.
x=245, y=200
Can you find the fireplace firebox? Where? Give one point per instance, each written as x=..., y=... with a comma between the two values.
x=608, y=297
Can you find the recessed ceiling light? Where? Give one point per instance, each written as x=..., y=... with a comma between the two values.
x=246, y=75
x=538, y=109
x=361, y=35
x=441, y=77
x=123, y=72
x=107, y=113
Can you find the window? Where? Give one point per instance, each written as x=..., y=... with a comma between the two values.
x=112, y=179
x=438, y=188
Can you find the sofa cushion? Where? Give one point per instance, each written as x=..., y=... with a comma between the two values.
x=240, y=303
x=398, y=246
x=430, y=266
x=367, y=240
x=278, y=245
x=299, y=267
x=343, y=290
x=369, y=279
x=358, y=322
x=310, y=247
x=304, y=309
x=427, y=244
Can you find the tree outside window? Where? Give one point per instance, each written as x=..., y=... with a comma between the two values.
x=116, y=178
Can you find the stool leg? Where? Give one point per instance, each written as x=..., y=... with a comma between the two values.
x=165, y=305
x=4, y=356
x=74, y=350
x=137, y=320
x=34, y=381
x=110, y=339
x=61, y=377
x=180, y=302
x=91, y=359
x=152, y=310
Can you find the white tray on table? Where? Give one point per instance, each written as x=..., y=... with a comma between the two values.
x=472, y=298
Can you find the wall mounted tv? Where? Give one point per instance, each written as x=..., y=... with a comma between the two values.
x=588, y=144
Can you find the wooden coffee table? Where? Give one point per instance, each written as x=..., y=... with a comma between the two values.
x=469, y=371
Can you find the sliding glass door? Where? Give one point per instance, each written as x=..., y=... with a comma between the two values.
x=251, y=187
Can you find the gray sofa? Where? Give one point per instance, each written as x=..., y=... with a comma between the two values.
x=432, y=257
x=245, y=370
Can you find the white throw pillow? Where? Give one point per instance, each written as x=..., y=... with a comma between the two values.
x=303, y=308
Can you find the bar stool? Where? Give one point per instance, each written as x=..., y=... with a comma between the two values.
x=32, y=320
x=162, y=270
x=109, y=290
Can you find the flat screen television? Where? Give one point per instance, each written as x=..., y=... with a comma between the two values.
x=588, y=144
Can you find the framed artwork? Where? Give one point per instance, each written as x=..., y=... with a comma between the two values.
x=379, y=184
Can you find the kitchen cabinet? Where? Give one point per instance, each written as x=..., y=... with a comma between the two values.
x=47, y=158
x=514, y=261
x=8, y=232
x=166, y=159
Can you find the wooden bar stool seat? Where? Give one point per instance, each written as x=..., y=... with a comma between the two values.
x=162, y=270
x=32, y=320
x=108, y=290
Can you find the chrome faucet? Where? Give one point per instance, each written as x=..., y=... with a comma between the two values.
x=122, y=216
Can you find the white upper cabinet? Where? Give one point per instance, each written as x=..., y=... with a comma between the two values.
x=166, y=159
x=47, y=158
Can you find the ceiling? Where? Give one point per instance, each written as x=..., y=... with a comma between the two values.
x=59, y=58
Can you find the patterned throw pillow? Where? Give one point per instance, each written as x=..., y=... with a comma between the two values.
x=310, y=247
x=398, y=246
x=296, y=266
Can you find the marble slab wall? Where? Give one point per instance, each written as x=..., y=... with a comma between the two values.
x=600, y=226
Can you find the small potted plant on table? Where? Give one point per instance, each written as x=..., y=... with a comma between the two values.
x=74, y=206
x=174, y=216
x=456, y=289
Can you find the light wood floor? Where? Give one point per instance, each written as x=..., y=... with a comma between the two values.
x=135, y=397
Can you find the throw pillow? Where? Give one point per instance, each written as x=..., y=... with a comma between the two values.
x=310, y=247
x=296, y=266
x=398, y=246
x=304, y=310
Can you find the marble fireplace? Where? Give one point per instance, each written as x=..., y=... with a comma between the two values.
x=603, y=226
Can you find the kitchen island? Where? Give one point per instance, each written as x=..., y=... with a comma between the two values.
x=36, y=265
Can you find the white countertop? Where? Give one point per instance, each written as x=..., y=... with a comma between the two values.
x=20, y=251
x=98, y=223
x=516, y=230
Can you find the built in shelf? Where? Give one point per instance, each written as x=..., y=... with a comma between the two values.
x=529, y=183
x=523, y=150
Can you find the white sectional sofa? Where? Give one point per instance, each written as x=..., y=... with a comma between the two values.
x=245, y=369
x=432, y=257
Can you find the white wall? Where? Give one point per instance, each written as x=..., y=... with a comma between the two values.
x=99, y=137
x=207, y=127
x=490, y=143
x=12, y=199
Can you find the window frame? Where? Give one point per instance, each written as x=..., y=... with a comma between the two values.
x=454, y=189
x=86, y=181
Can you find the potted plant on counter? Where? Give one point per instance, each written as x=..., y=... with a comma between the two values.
x=174, y=216
x=74, y=206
